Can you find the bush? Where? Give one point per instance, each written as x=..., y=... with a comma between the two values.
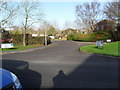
x=89, y=37
x=114, y=35
x=76, y=37
x=100, y=35
x=18, y=39
x=70, y=37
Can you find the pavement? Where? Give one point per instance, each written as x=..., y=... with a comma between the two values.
x=63, y=66
x=42, y=47
x=28, y=50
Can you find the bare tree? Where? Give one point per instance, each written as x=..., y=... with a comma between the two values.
x=31, y=14
x=112, y=11
x=7, y=11
x=54, y=23
x=70, y=24
x=67, y=24
x=88, y=14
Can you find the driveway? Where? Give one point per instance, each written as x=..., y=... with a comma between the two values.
x=63, y=66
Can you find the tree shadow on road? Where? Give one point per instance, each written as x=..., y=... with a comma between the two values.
x=28, y=78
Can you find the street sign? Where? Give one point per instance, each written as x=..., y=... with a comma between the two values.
x=7, y=45
x=99, y=43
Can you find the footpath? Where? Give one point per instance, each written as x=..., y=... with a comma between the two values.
x=28, y=50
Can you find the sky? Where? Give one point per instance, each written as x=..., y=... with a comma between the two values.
x=61, y=11
x=63, y=0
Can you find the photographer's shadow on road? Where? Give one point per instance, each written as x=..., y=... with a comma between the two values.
x=59, y=79
x=28, y=78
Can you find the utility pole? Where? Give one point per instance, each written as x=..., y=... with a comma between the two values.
x=45, y=23
x=45, y=38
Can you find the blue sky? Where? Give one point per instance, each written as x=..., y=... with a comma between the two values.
x=60, y=12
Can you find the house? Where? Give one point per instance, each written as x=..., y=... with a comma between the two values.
x=105, y=25
x=69, y=31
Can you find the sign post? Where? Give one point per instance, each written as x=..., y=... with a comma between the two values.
x=99, y=43
x=7, y=45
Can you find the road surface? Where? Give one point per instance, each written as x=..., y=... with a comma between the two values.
x=63, y=66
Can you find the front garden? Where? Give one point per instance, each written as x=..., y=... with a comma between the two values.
x=112, y=49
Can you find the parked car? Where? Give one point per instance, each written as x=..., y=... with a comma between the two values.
x=9, y=80
x=5, y=36
x=7, y=40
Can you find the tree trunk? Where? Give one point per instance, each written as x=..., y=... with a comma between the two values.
x=24, y=37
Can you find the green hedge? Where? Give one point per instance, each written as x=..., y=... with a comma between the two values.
x=100, y=35
x=18, y=39
x=76, y=36
x=70, y=37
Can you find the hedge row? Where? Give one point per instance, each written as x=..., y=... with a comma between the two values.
x=94, y=36
x=18, y=39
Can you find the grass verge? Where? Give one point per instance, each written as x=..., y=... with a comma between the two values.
x=112, y=49
x=20, y=47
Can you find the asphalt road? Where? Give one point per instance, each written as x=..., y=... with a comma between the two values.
x=63, y=66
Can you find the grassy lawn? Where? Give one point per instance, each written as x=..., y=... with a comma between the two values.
x=112, y=49
x=20, y=47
